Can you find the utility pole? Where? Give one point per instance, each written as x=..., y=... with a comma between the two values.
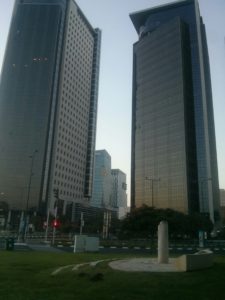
x=47, y=225
x=56, y=194
x=106, y=224
x=26, y=216
x=81, y=222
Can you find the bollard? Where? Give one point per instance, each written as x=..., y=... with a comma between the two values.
x=163, y=244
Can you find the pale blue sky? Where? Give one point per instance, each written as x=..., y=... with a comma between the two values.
x=115, y=90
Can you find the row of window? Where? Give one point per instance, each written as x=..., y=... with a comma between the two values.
x=74, y=111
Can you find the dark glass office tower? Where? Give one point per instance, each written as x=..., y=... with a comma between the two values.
x=174, y=162
x=48, y=105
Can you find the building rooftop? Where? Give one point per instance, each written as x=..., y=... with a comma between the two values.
x=139, y=18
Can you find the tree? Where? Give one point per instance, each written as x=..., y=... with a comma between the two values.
x=143, y=222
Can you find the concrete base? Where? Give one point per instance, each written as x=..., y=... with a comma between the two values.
x=190, y=262
x=144, y=265
x=198, y=261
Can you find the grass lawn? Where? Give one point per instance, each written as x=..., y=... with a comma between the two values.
x=27, y=276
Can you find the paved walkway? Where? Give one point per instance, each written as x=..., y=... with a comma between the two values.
x=143, y=265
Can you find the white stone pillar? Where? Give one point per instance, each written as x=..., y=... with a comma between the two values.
x=163, y=243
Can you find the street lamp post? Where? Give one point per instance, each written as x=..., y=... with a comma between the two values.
x=152, y=180
x=56, y=194
x=28, y=194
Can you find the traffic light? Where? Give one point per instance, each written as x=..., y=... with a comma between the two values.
x=55, y=223
x=56, y=193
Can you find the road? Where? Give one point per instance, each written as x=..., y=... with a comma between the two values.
x=60, y=248
x=217, y=247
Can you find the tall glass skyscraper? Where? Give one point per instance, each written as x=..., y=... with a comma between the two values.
x=48, y=105
x=174, y=163
x=119, y=192
x=102, y=183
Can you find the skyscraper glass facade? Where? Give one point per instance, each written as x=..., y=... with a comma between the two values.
x=102, y=183
x=48, y=104
x=119, y=191
x=173, y=139
x=109, y=185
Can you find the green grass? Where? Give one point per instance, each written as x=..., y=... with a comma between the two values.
x=27, y=276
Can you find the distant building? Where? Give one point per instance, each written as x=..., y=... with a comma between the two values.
x=48, y=106
x=174, y=161
x=222, y=203
x=102, y=181
x=119, y=194
x=109, y=186
x=222, y=197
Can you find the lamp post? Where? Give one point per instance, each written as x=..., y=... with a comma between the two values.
x=152, y=180
x=28, y=193
x=56, y=195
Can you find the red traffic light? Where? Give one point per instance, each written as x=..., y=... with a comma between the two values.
x=55, y=223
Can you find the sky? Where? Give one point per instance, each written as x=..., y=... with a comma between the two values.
x=115, y=86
